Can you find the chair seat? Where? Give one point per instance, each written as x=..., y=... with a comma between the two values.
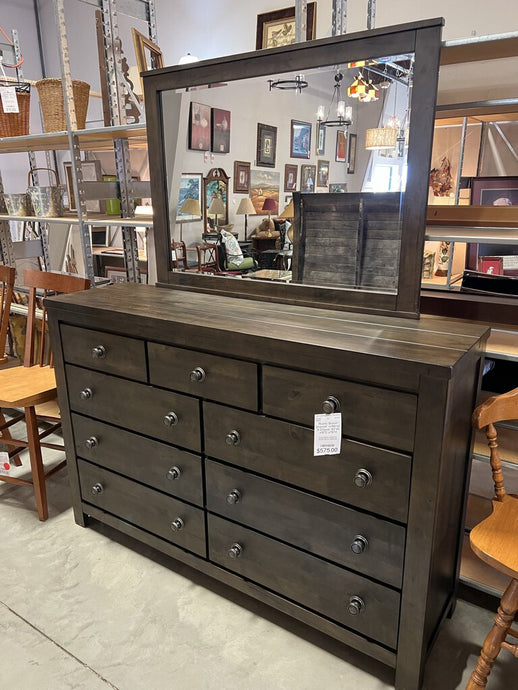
x=25, y=386
x=495, y=539
x=49, y=409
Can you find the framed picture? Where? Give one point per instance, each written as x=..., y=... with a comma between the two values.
x=491, y=264
x=341, y=146
x=290, y=177
x=277, y=28
x=92, y=172
x=241, y=177
x=117, y=274
x=144, y=47
x=322, y=173
x=321, y=140
x=494, y=191
x=220, y=130
x=307, y=178
x=266, y=145
x=199, y=127
x=300, y=139
x=264, y=184
x=351, y=154
x=337, y=187
x=189, y=188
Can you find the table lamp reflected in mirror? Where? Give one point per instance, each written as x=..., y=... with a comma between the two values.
x=216, y=208
x=270, y=205
x=192, y=208
x=245, y=207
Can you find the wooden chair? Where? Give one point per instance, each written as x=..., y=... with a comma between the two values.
x=208, y=257
x=495, y=539
x=7, y=277
x=32, y=387
x=179, y=257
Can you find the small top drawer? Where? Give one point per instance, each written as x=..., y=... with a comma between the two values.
x=369, y=413
x=113, y=354
x=211, y=377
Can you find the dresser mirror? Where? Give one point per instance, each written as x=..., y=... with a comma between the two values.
x=346, y=121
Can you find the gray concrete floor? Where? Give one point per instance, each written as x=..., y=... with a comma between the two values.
x=90, y=609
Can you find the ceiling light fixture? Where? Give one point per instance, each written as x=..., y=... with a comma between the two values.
x=296, y=84
x=344, y=114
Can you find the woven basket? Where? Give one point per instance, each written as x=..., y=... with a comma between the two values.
x=50, y=92
x=17, y=124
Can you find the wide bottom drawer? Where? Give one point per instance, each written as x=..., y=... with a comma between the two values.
x=168, y=518
x=350, y=599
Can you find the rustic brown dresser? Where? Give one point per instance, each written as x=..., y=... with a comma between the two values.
x=189, y=417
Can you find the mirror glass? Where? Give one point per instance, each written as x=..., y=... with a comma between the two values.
x=322, y=157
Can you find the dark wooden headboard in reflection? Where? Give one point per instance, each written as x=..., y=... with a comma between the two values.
x=347, y=240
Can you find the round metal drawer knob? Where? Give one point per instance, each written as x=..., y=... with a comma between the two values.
x=197, y=375
x=331, y=405
x=173, y=473
x=235, y=551
x=86, y=394
x=359, y=544
x=177, y=524
x=97, y=489
x=91, y=442
x=99, y=352
x=362, y=478
x=355, y=605
x=171, y=419
x=234, y=496
x=232, y=438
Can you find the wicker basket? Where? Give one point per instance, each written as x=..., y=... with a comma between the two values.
x=16, y=124
x=50, y=92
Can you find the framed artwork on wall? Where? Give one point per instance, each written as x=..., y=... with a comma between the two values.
x=220, y=130
x=266, y=145
x=277, y=28
x=190, y=187
x=300, y=139
x=290, y=177
x=264, y=184
x=241, y=177
x=322, y=173
x=321, y=140
x=199, y=127
x=337, y=187
x=341, y=146
x=351, y=154
x=307, y=178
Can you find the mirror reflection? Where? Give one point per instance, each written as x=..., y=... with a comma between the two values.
x=296, y=178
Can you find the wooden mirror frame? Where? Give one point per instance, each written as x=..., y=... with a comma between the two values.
x=423, y=39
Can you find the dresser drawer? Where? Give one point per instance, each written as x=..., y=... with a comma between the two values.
x=284, y=451
x=369, y=413
x=223, y=379
x=151, y=411
x=113, y=354
x=163, y=467
x=168, y=518
x=307, y=580
x=348, y=537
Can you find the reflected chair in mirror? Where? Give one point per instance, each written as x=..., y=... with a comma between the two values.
x=495, y=539
x=208, y=257
x=179, y=254
x=29, y=392
x=7, y=278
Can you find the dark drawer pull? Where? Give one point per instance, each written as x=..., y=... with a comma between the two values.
x=331, y=405
x=235, y=551
x=177, y=524
x=359, y=544
x=234, y=496
x=97, y=489
x=171, y=419
x=86, y=394
x=91, y=442
x=355, y=606
x=173, y=473
x=197, y=375
x=99, y=352
x=232, y=438
x=362, y=478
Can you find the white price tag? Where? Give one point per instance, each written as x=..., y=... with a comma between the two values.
x=5, y=465
x=328, y=434
x=9, y=99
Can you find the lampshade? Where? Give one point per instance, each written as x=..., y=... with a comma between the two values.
x=191, y=206
x=187, y=58
x=270, y=205
x=245, y=206
x=381, y=138
x=288, y=212
x=217, y=207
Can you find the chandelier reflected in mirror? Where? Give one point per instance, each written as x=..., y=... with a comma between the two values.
x=343, y=114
